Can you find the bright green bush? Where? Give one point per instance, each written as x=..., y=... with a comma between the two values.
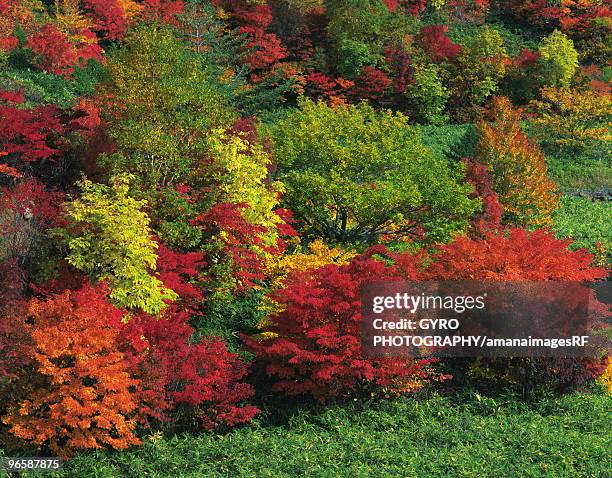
x=110, y=240
x=481, y=66
x=352, y=174
x=163, y=104
x=558, y=60
x=429, y=93
x=353, y=56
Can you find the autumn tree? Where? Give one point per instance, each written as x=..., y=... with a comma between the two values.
x=558, y=60
x=433, y=39
x=312, y=344
x=518, y=167
x=481, y=65
x=358, y=32
x=163, y=103
x=573, y=119
x=109, y=238
x=78, y=387
x=183, y=378
x=28, y=135
x=517, y=255
x=353, y=174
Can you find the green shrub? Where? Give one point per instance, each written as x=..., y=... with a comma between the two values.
x=558, y=60
x=353, y=174
x=429, y=93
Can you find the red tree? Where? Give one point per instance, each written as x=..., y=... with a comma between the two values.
x=54, y=53
x=489, y=219
x=316, y=347
x=516, y=254
x=372, y=84
x=174, y=370
x=28, y=135
x=433, y=39
x=78, y=388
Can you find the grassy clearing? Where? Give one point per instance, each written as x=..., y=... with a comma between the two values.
x=566, y=437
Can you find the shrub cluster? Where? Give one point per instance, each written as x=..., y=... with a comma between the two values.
x=192, y=194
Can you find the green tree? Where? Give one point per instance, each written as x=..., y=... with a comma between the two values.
x=353, y=174
x=359, y=30
x=164, y=102
x=481, y=65
x=558, y=59
x=109, y=238
x=429, y=93
x=223, y=51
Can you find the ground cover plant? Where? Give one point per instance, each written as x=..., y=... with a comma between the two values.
x=193, y=193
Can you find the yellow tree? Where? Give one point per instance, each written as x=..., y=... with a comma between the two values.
x=518, y=167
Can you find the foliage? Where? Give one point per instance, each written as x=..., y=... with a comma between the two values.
x=109, y=238
x=78, y=386
x=240, y=168
x=565, y=437
x=359, y=31
x=27, y=212
x=482, y=64
x=490, y=218
x=518, y=167
x=587, y=223
x=253, y=20
x=433, y=39
x=606, y=378
x=353, y=174
x=519, y=255
x=178, y=372
x=54, y=53
x=315, y=256
x=573, y=120
x=28, y=135
x=188, y=119
x=162, y=105
x=558, y=59
x=514, y=255
x=429, y=93
x=223, y=51
x=315, y=346
x=233, y=249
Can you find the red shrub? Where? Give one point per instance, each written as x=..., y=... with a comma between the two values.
x=109, y=17
x=55, y=54
x=236, y=246
x=177, y=269
x=517, y=254
x=527, y=58
x=174, y=370
x=28, y=135
x=489, y=219
x=433, y=39
x=78, y=388
x=372, y=84
x=400, y=63
x=392, y=4
x=27, y=210
x=317, y=347
x=164, y=11
x=268, y=48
